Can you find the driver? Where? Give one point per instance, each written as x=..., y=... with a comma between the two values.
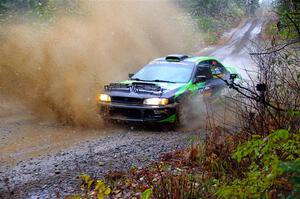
x=215, y=69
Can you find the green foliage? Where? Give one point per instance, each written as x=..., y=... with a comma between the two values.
x=219, y=7
x=266, y=157
x=205, y=23
x=44, y=10
x=292, y=169
x=217, y=16
x=147, y=193
x=92, y=188
x=289, y=18
x=21, y=5
x=294, y=113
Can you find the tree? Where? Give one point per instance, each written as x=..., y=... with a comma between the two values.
x=218, y=7
x=289, y=18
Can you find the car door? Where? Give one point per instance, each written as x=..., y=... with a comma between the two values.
x=219, y=73
x=206, y=87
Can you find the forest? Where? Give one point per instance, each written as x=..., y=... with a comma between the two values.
x=212, y=17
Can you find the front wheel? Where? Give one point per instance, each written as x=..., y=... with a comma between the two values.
x=191, y=113
x=181, y=112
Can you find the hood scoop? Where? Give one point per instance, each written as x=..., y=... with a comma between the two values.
x=147, y=86
x=141, y=87
x=117, y=87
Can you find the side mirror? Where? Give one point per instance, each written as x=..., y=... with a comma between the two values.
x=199, y=79
x=233, y=76
x=130, y=75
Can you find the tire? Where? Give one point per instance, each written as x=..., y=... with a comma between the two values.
x=180, y=114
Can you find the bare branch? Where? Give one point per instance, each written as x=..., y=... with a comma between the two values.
x=278, y=48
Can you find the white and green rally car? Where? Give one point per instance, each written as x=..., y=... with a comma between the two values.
x=155, y=93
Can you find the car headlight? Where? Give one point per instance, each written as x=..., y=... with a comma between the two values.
x=156, y=101
x=103, y=98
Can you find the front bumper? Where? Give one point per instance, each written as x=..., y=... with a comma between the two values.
x=138, y=113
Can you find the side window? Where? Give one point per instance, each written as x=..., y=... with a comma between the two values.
x=204, y=70
x=216, y=67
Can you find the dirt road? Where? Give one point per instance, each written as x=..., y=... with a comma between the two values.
x=240, y=41
x=41, y=158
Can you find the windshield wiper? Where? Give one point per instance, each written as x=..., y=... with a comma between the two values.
x=158, y=80
x=137, y=79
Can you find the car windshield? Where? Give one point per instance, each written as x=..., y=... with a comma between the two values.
x=165, y=72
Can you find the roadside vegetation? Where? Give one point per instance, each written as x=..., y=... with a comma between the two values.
x=43, y=10
x=258, y=156
x=212, y=17
x=217, y=16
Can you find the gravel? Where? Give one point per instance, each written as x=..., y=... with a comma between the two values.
x=49, y=175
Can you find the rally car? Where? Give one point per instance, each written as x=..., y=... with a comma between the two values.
x=156, y=92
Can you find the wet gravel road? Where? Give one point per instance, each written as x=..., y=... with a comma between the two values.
x=39, y=159
x=50, y=174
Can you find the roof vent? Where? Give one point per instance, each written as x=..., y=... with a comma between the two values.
x=176, y=58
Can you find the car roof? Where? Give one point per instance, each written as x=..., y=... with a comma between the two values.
x=188, y=60
x=198, y=59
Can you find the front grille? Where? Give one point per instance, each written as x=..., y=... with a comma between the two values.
x=128, y=113
x=127, y=100
x=140, y=114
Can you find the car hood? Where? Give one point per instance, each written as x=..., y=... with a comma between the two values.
x=144, y=89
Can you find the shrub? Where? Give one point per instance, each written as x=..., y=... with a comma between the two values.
x=92, y=188
x=265, y=173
